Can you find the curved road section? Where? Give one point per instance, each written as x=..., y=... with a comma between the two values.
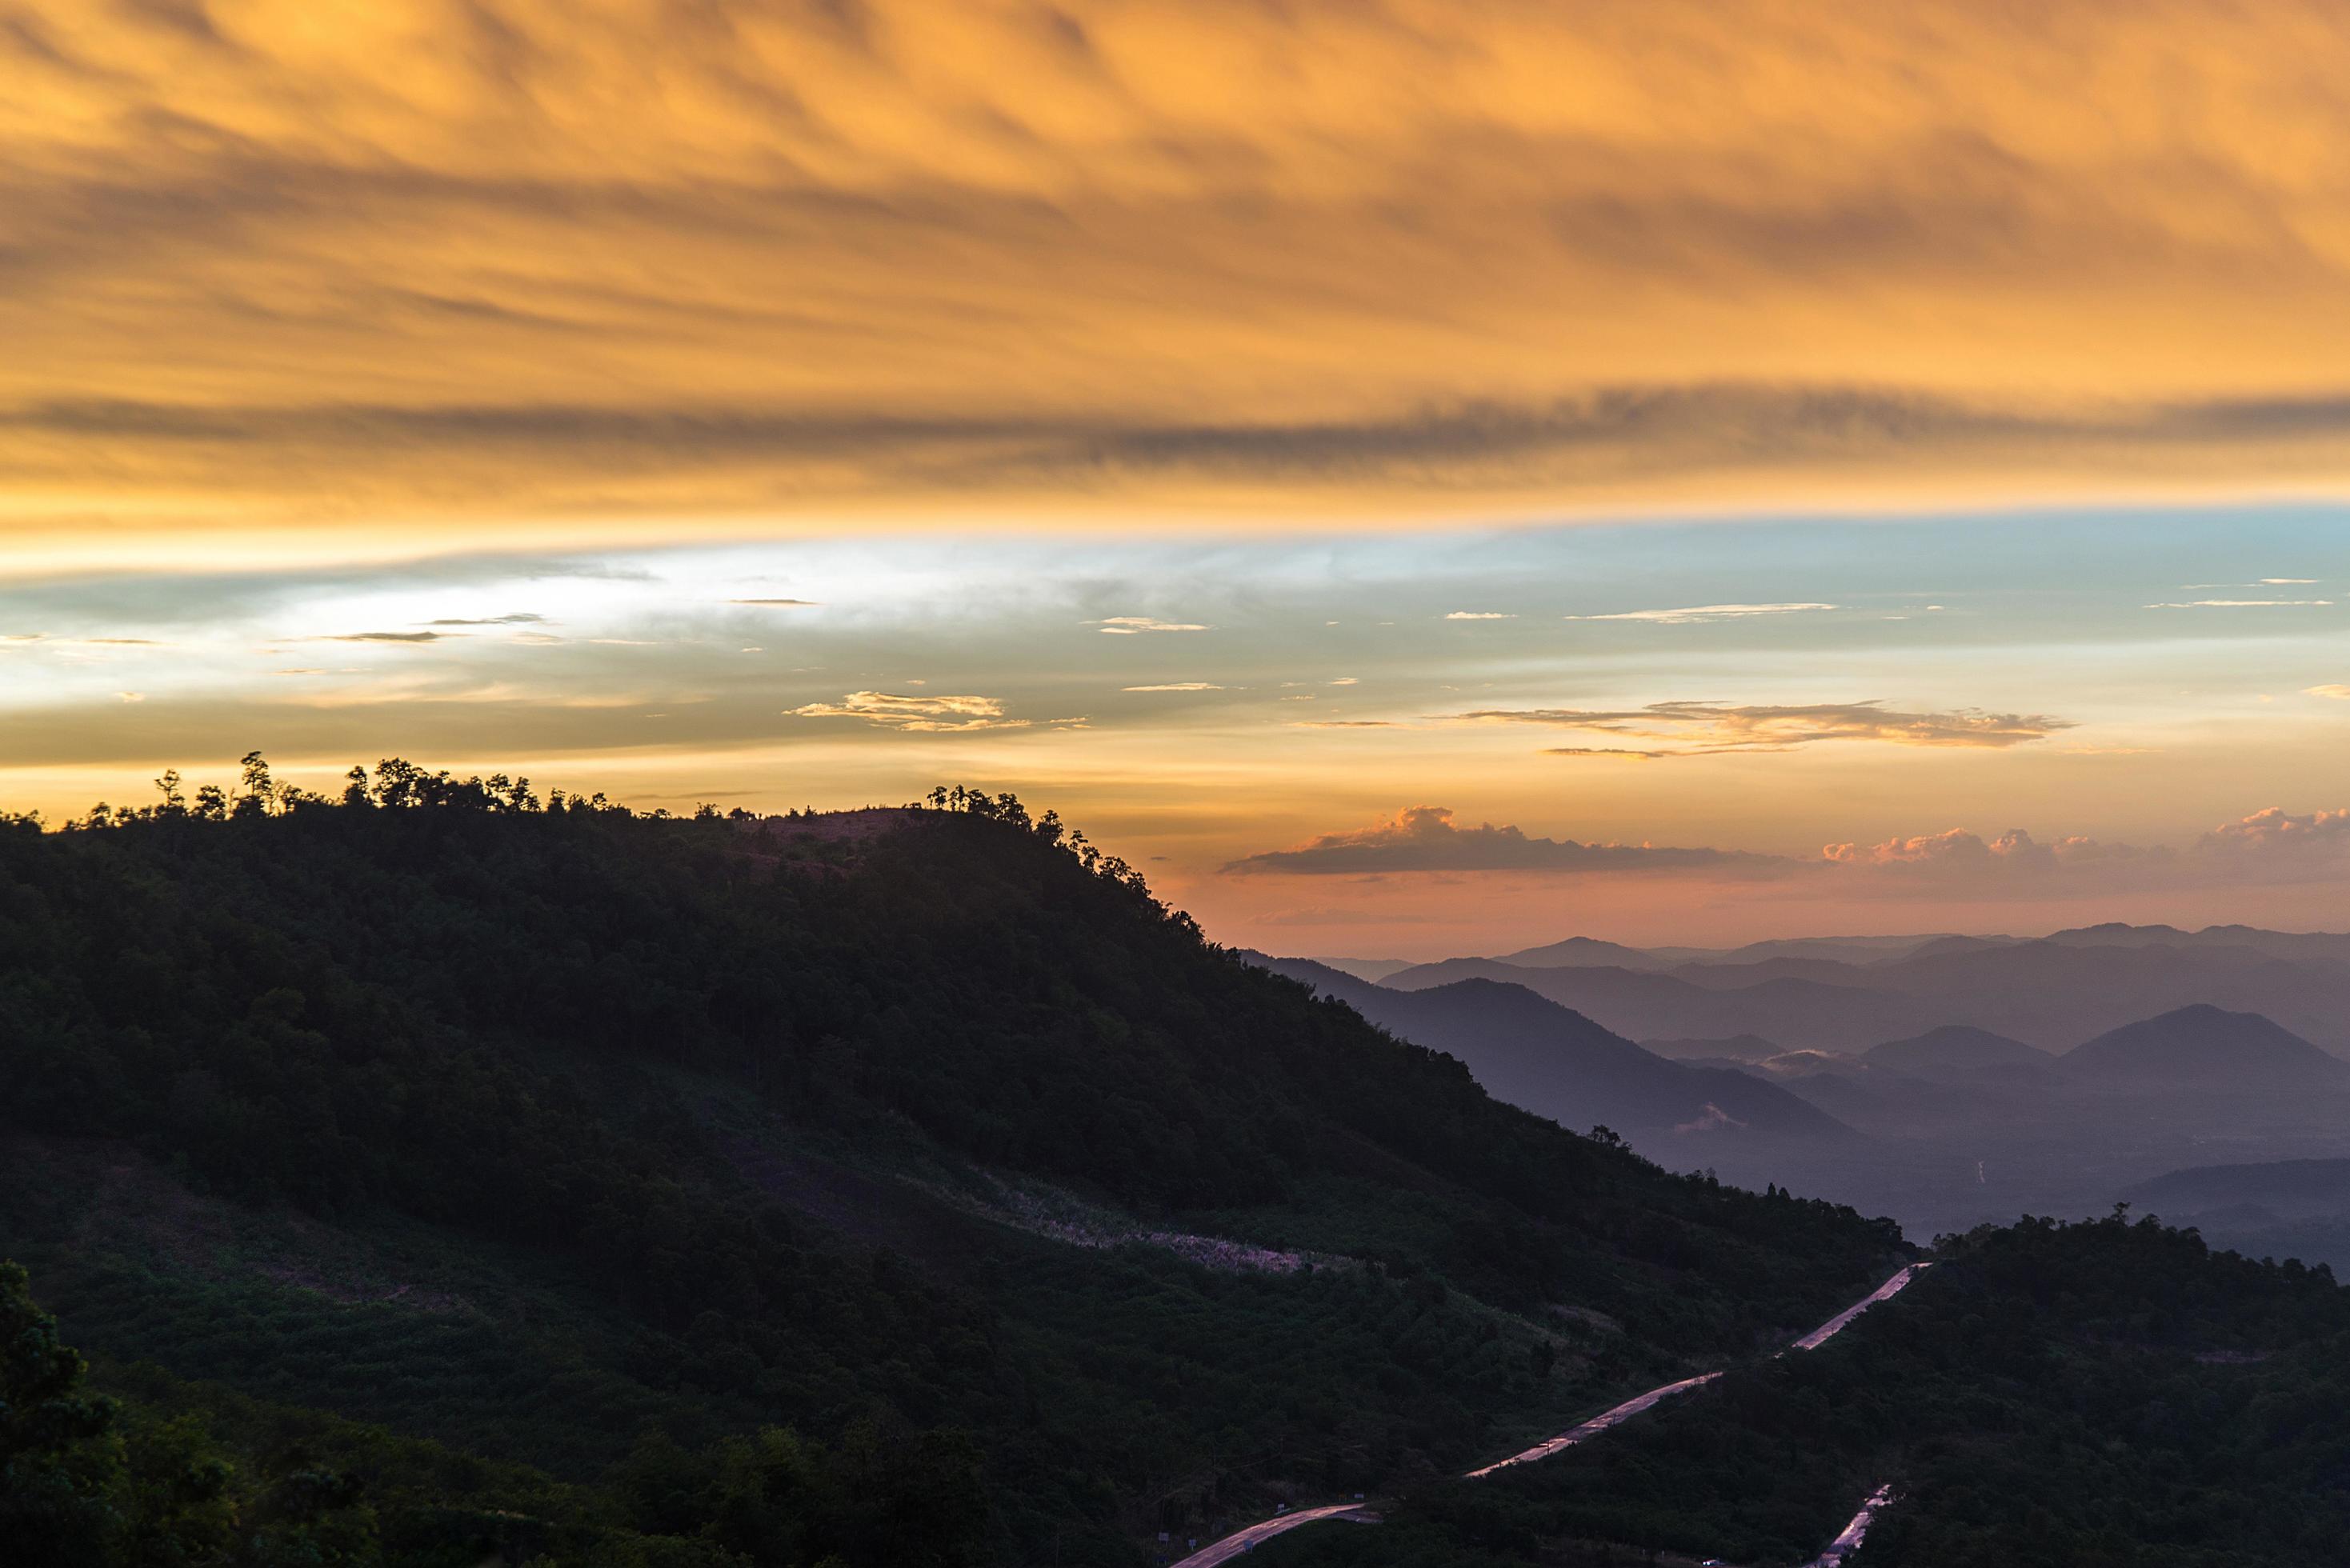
x=1241, y=1540
x=1246, y=1539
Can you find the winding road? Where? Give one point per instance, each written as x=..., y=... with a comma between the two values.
x=1596, y=1424
x=1848, y=1542
x=1241, y=1540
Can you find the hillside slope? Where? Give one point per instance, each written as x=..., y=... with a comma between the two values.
x=546, y=1133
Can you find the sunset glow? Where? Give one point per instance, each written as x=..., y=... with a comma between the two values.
x=1887, y=470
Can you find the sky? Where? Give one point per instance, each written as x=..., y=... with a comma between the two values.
x=1415, y=478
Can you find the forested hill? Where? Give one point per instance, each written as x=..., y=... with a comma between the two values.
x=530, y=1129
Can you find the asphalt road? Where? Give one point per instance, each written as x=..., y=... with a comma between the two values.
x=1848, y=1542
x=1596, y=1424
x=1241, y=1541
x=1843, y=1320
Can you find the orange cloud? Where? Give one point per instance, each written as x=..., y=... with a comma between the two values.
x=1426, y=838
x=507, y=264
x=1694, y=729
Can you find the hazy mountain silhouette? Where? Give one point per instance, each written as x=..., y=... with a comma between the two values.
x=2047, y=994
x=1373, y=970
x=2291, y=1188
x=1734, y=1048
x=1797, y=1012
x=1584, y=953
x=1550, y=1060
x=1956, y=1049
x=2208, y=1047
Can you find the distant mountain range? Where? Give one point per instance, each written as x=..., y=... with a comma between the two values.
x=2291, y=1189
x=1957, y=1049
x=1836, y=995
x=1550, y=1060
x=2207, y=1048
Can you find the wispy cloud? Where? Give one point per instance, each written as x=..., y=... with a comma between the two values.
x=520, y=618
x=1692, y=729
x=2242, y=604
x=781, y=604
x=385, y=637
x=1691, y=615
x=2338, y=691
x=1481, y=615
x=1426, y=838
x=1177, y=686
x=1134, y=625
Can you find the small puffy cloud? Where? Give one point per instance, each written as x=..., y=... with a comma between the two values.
x=1135, y=624
x=1480, y=615
x=1177, y=686
x=1960, y=850
x=926, y=714
x=1426, y=838
x=130, y=696
x=2275, y=829
x=2340, y=693
x=1692, y=729
x=2268, y=848
x=1692, y=614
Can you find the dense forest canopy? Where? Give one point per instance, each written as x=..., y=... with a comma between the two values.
x=742, y=1124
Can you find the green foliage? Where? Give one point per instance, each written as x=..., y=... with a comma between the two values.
x=59, y=1457
x=80, y=1487
x=578, y=1048
x=2050, y=1395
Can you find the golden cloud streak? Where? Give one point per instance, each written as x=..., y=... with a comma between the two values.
x=628, y=267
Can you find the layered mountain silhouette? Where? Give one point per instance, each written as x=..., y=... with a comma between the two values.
x=2207, y=1048
x=2292, y=1189
x=1550, y=1060
x=1735, y=1048
x=1585, y=952
x=2047, y=993
x=1957, y=1049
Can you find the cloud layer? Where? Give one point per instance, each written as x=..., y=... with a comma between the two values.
x=1694, y=729
x=1426, y=838
x=501, y=260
